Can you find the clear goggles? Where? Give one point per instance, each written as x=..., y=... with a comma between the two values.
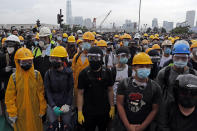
x=94, y=57
x=183, y=57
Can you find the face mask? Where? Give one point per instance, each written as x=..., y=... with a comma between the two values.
x=167, y=51
x=65, y=40
x=26, y=66
x=59, y=38
x=126, y=43
x=180, y=64
x=41, y=43
x=123, y=60
x=10, y=50
x=9, y=34
x=143, y=73
x=104, y=51
x=86, y=46
x=187, y=102
x=56, y=65
x=145, y=47
x=22, y=43
x=95, y=65
x=35, y=43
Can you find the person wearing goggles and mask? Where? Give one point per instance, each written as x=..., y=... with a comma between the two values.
x=95, y=93
x=181, y=114
x=138, y=97
x=80, y=60
x=59, y=86
x=71, y=47
x=24, y=98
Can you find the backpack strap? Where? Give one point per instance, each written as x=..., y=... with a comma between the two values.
x=78, y=55
x=14, y=76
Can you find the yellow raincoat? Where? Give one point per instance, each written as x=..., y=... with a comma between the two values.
x=24, y=96
x=77, y=67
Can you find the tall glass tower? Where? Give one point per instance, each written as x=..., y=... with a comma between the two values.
x=68, y=12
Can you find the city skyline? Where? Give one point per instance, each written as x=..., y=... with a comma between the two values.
x=46, y=10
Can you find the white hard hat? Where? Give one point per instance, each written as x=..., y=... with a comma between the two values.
x=137, y=36
x=167, y=42
x=13, y=38
x=44, y=31
x=79, y=32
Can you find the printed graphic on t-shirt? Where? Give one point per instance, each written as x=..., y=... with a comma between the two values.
x=135, y=102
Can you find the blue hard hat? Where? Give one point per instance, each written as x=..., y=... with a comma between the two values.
x=181, y=48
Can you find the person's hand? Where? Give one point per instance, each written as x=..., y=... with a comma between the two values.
x=65, y=108
x=112, y=112
x=139, y=128
x=8, y=68
x=132, y=127
x=57, y=111
x=80, y=117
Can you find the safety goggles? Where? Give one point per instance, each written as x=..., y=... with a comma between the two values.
x=155, y=58
x=122, y=55
x=55, y=59
x=183, y=57
x=23, y=62
x=94, y=57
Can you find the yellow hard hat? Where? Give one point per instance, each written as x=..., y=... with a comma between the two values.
x=156, y=38
x=152, y=37
x=59, y=51
x=71, y=39
x=147, y=50
x=23, y=54
x=94, y=33
x=145, y=42
x=156, y=35
x=146, y=35
x=95, y=42
x=102, y=43
x=156, y=47
x=21, y=38
x=141, y=58
x=3, y=40
x=88, y=36
x=126, y=36
x=194, y=45
x=53, y=31
x=65, y=35
x=170, y=38
x=79, y=41
x=37, y=37
x=116, y=36
x=177, y=38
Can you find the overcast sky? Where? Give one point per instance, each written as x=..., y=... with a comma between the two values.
x=28, y=11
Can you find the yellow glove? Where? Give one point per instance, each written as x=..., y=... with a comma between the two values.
x=80, y=117
x=112, y=112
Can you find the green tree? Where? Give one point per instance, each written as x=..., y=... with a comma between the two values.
x=148, y=30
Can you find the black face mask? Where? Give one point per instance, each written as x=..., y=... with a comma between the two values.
x=187, y=102
x=95, y=65
x=56, y=65
x=26, y=67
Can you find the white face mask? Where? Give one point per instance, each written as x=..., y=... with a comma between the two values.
x=10, y=50
x=41, y=43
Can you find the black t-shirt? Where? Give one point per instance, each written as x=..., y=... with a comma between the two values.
x=138, y=101
x=95, y=86
x=179, y=122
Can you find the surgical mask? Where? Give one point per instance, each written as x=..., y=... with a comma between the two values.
x=143, y=73
x=35, y=43
x=64, y=40
x=26, y=66
x=22, y=43
x=126, y=43
x=167, y=51
x=10, y=50
x=9, y=34
x=186, y=101
x=86, y=46
x=59, y=38
x=41, y=43
x=180, y=64
x=123, y=60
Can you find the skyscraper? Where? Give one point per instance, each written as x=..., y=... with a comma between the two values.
x=190, y=17
x=168, y=25
x=155, y=23
x=68, y=12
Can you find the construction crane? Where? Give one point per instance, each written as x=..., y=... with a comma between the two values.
x=104, y=19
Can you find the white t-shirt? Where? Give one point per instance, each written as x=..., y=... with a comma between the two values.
x=120, y=75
